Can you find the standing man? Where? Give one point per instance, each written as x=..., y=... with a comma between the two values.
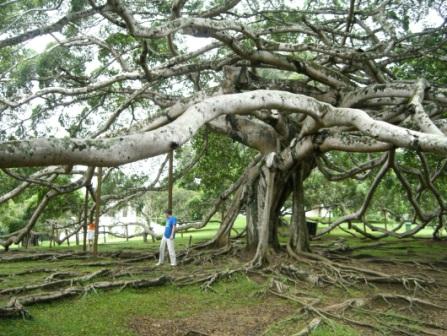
x=168, y=239
x=91, y=234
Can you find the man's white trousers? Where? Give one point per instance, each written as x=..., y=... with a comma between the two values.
x=170, y=242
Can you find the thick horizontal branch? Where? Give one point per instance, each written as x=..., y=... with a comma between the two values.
x=120, y=150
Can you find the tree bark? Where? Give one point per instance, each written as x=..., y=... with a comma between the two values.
x=252, y=219
x=267, y=187
x=222, y=237
x=299, y=234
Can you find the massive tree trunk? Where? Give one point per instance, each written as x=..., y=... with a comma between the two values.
x=263, y=207
x=266, y=190
x=299, y=234
x=255, y=211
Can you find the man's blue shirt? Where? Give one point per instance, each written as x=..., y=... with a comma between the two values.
x=171, y=221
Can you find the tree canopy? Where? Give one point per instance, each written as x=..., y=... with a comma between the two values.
x=351, y=89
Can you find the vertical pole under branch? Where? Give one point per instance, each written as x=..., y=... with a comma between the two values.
x=52, y=243
x=386, y=221
x=170, y=178
x=97, y=208
x=84, y=225
x=127, y=232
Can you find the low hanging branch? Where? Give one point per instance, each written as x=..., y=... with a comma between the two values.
x=17, y=236
x=361, y=211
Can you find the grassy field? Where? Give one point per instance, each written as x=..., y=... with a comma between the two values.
x=237, y=305
x=111, y=313
x=116, y=312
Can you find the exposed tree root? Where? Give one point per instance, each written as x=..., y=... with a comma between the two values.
x=31, y=271
x=295, y=273
x=411, y=300
x=432, y=266
x=56, y=283
x=345, y=275
x=287, y=281
x=69, y=286
x=122, y=262
x=53, y=256
x=60, y=275
x=14, y=308
x=207, y=280
x=404, y=319
x=311, y=326
x=337, y=311
x=204, y=255
x=41, y=256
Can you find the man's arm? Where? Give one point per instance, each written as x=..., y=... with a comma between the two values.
x=173, y=229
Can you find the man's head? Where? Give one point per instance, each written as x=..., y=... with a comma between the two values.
x=168, y=212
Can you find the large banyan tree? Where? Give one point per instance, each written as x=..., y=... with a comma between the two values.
x=297, y=81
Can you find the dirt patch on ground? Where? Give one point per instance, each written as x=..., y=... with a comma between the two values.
x=247, y=321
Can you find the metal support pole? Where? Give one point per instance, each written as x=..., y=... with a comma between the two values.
x=170, y=178
x=97, y=212
x=84, y=225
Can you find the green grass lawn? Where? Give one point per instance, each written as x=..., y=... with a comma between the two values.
x=113, y=312
x=110, y=313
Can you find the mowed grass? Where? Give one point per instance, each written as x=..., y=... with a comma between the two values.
x=111, y=313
